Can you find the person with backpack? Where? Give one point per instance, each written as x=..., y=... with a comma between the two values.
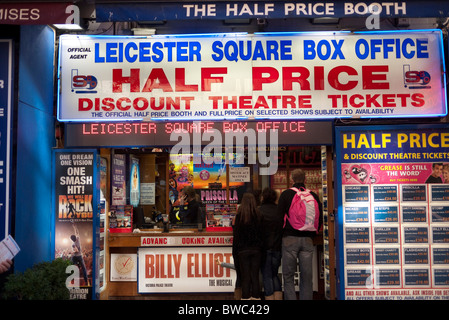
x=302, y=212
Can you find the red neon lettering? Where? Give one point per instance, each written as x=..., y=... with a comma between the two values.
x=235, y=127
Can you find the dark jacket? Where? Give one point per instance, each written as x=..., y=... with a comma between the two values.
x=284, y=203
x=189, y=214
x=247, y=236
x=272, y=226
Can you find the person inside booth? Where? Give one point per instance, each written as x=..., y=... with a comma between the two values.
x=187, y=210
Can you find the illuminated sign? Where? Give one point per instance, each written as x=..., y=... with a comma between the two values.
x=165, y=11
x=274, y=76
x=392, y=224
x=116, y=134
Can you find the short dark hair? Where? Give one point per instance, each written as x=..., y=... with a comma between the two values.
x=269, y=195
x=298, y=176
x=189, y=191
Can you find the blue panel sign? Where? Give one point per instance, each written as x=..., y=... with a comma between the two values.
x=159, y=11
x=5, y=133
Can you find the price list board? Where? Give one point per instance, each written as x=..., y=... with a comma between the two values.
x=393, y=217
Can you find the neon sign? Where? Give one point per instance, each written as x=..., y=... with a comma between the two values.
x=158, y=133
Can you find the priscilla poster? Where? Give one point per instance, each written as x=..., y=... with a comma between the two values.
x=393, y=219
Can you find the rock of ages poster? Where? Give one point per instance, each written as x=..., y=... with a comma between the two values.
x=74, y=212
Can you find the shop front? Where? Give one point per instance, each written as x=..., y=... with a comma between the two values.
x=149, y=251
x=225, y=114
x=147, y=103
x=393, y=218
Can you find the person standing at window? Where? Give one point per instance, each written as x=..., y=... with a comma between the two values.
x=272, y=235
x=248, y=243
x=297, y=245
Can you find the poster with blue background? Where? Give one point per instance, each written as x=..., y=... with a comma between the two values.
x=5, y=134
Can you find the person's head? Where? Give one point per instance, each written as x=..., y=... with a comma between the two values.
x=189, y=192
x=73, y=237
x=446, y=173
x=269, y=195
x=248, y=208
x=298, y=176
x=436, y=169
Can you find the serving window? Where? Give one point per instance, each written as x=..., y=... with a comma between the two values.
x=145, y=184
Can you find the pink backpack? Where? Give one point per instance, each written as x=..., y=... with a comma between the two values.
x=304, y=213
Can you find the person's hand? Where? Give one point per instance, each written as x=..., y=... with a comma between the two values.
x=5, y=265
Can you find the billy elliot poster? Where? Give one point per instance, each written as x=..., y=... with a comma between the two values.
x=74, y=217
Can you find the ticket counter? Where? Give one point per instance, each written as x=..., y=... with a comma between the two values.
x=145, y=165
x=173, y=265
x=150, y=254
x=178, y=265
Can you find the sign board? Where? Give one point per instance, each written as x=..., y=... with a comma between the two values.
x=393, y=218
x=239, y=174
x=275, y=76
x=123, y=267
x=161, y=11
x=109, y=134
x=39, y=13
x=185, y=269
x=182, y=241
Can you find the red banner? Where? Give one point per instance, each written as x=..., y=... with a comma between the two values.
x=38, y=13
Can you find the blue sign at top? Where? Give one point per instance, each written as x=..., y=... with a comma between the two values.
x=160, y=11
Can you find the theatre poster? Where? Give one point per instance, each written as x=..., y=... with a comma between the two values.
x=76, y=221
x=393, y=212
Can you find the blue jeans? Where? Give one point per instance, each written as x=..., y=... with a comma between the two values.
x=300, y=248
x=270, y=270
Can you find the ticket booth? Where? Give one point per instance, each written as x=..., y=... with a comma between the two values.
x=141, y=184
x=225, y=114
